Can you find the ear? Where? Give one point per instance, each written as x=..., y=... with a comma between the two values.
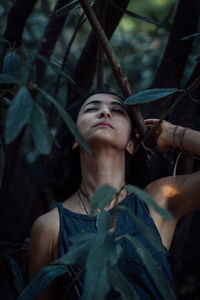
x=130, y=147
x=75, y=145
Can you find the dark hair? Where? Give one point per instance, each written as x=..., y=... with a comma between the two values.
x=63, y=165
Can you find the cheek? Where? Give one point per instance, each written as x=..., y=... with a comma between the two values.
x=125, y=128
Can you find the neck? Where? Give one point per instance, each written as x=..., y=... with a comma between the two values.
x=105, y=166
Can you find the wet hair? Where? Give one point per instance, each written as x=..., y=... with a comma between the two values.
x=62, y=165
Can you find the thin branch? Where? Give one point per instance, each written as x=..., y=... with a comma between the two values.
x=100, y=52
x=79, y=24
x=116, y=67
x=187, y=91
x=72, y=282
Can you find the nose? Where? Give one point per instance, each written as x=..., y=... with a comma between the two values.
x=105, y=112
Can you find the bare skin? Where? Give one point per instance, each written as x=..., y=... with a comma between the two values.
x=106, y=125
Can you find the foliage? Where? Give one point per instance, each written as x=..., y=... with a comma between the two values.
x=24, y=100
x=102, y=250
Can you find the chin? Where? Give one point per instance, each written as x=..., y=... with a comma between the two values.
x=104, y=141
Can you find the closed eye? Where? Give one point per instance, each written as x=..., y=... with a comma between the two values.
x=91, y=109
x=117, y=111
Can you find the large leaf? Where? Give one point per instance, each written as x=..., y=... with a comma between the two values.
x=5, y=78
x=12, y=64
x=78, y=250
x=70, y=123
x=149, y=96
x=132, y=14
x=39, y=130
x=102, y=253
x=101, y=197
x=145, y=197
x=104, y=221
x=41, y=281
x=53, y=66
x=190, y=36
x=146, y=232
x=18, y=114
x=17, y=273
x=121, y=284
x=154, y=269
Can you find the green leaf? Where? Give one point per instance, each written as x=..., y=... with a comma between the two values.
x=103, y=251
x=190, y=36
x=7, y=101
x=104, y=221
x=53, y=66
x=69, y=122
x=78, y=250
x=45, y=276
x=147, y=233
x=5, y=78
x=17, y=274
x=18, y=114
x=146, y=198
x=12, y=64
x=39, y=130
x=132, y=14
x=121, y=284
x=149, y=96
x=101, y=197
x=153, y=268
x=2, y=161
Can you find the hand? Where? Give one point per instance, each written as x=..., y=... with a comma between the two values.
x=162, y=134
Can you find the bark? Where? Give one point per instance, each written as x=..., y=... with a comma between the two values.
x=17, y=17
x=171, y=69
x=86, y=66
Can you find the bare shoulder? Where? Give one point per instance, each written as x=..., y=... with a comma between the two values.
x=48, y=222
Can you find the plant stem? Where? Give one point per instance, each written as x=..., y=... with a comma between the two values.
x=116, y=67
x=100, y=52
x=190, y=89
x=78, y=26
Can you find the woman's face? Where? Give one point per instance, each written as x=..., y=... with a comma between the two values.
x=103, y=119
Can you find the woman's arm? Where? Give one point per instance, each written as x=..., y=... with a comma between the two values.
x=180, y=194
x=169, y=135
x=44, y=249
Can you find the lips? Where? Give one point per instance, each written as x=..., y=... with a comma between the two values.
x=103, y=124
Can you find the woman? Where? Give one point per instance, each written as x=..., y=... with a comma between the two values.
x=105, y=123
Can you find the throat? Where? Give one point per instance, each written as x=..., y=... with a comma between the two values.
x=99, y=170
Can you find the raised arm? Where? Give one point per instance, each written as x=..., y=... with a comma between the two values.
x=180, y=194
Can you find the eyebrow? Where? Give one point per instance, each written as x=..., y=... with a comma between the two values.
x=99, y=102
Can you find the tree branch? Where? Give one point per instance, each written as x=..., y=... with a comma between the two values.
x=100, y=52
x=116, y=67
x=87, y=60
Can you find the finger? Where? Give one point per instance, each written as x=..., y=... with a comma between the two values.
x=151, y=121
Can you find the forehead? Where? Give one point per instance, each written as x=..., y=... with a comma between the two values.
x=104, y=98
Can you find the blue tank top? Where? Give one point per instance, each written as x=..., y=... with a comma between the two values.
x=72, y=223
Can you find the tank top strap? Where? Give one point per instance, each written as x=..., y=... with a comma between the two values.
x=62, y=231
